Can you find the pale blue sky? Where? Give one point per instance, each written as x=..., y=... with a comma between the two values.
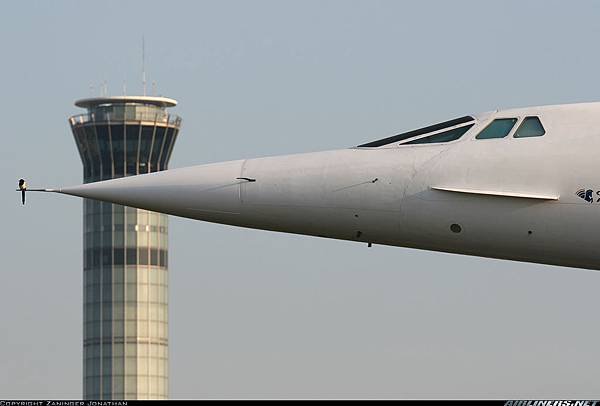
x=256, y=313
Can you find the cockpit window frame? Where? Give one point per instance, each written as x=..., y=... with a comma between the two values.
x=513, y=128
x=522, y=122
x=403, y=138
x=421, y=140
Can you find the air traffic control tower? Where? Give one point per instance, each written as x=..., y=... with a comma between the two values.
x=125, y=255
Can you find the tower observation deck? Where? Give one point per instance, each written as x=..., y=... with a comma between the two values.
x=125, y=261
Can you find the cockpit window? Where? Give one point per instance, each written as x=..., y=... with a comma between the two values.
x=422, y=131
x=530, y=127
x=498, y=128
x=445, y=136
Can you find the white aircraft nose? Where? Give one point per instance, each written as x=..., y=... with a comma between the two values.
x=205, y=192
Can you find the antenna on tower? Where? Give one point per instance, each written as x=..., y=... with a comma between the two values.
x=153, y=88
x=144, y=65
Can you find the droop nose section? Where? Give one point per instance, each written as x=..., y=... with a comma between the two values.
x=205, y=192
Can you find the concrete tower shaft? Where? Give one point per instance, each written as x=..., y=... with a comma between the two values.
x=125, y=267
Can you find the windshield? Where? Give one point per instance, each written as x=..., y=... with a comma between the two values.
x=414, y=133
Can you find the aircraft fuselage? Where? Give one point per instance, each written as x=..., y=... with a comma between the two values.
x=534, y=199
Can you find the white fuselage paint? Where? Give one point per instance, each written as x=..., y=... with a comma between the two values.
x=384, y=195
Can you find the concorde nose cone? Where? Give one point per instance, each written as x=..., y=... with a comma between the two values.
x=207, y=192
